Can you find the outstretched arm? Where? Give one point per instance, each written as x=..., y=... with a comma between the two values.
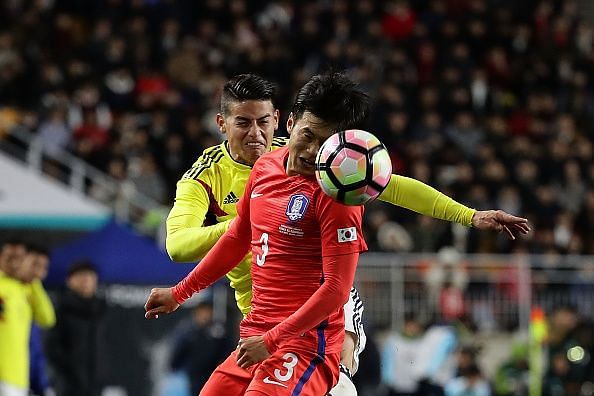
x=225, y=255
x=417, y=196
x=222, y=258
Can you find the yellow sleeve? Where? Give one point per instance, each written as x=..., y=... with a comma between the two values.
x=421, y=198
x=41, y=305
x=187, y=239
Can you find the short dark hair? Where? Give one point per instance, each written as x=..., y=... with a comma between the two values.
x=37, y=249
x=81, y=266
x=14, y=241
x=244, y=87
x=335, y=98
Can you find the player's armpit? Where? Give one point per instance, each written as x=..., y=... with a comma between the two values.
x=339, y=274
x=420, y=198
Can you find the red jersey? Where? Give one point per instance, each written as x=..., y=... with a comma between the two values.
x=294, y=224
x=304, y=246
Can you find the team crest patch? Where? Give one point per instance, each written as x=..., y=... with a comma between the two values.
x=297, y=206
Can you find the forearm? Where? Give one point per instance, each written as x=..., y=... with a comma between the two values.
x=420, y=198
x=222, y=258
x=43, y=309
x=339, y=273
x=186, y=244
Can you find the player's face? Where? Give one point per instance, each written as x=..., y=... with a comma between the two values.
x=11, y=256
x=249, y=127
x=307, y=134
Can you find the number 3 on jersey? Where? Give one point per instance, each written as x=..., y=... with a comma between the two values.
x=289, y=364
x=261, y=259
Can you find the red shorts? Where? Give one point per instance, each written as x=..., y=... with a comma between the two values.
x=288, y=372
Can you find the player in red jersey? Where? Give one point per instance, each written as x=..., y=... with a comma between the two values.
x=305, y=248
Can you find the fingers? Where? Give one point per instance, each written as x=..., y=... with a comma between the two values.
x=154, y=313
x=521, y=228
x=508, y=232
x=243, y=358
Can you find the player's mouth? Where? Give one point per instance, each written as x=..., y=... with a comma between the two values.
x=255, y=145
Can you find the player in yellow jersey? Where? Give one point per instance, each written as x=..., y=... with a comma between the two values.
x=217, y=180
x=23, y=300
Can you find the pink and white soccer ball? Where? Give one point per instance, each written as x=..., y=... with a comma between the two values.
x=353, y=167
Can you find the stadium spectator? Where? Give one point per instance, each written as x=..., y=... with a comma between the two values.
x=512, y=377
x=470, y=382
x=23, y=300
x=73, y=345
x=400, y=352
x=200, y=345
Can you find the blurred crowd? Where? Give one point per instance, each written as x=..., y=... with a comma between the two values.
x=447, y=358
x=490, y=101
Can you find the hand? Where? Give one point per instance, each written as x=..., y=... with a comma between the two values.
x=500, y=221
x=160, y=301
x=251, y=350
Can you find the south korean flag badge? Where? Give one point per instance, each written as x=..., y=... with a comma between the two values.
x=347, y=234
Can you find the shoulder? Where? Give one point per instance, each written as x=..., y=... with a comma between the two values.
x=272, y=158
x=278, y=142
x=208, y=162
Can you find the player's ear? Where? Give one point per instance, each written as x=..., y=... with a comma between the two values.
x=290, y=123
x=221, y=123
x=276, y=116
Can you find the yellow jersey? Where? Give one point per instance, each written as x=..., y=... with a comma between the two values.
x=20, y=304
x=214, y=184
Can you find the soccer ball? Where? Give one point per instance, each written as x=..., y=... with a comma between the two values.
x=353, y=167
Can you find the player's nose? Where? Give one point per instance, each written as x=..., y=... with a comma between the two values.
x=254, y=129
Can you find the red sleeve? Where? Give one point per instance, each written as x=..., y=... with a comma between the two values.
x=339, y=274
x=340, y=227
x=224, y=255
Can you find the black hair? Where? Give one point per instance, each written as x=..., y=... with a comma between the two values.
x=80, y=266
x=37, y=249
x=334, y=98
x=244, y=87
x=13, y=241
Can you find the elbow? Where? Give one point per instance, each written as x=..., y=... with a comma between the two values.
x=182, y=250
x=177, y=253
x=343, y=296
x=338, y=294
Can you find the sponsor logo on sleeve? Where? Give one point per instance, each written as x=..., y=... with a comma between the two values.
x=347, y=234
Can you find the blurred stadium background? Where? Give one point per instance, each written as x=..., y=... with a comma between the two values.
x=105, y=103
